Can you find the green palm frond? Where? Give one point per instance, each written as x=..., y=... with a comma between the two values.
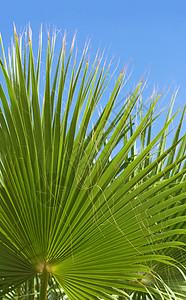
x=102, y=223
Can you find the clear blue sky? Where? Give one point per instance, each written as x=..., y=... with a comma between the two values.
x=151, y=35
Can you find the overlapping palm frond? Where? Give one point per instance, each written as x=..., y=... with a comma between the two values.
x=105, y=223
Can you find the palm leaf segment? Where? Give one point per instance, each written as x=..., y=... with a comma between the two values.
x=102, y=227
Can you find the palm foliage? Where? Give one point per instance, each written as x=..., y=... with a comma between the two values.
x=105, y=223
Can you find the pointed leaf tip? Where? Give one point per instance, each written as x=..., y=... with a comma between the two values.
x=142, y=79
x=161, y=93
x=15, y=32
x=110, y=62
x=30, y=34
x=122, y=71
x=41, y=29
x=181, y=107
x=98, y=62
x=73, y=42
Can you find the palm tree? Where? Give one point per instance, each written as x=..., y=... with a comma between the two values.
x=80, y=207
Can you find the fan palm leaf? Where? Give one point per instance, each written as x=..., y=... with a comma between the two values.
x=105, y=223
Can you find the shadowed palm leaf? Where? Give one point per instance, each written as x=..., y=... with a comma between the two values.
x=103, y=226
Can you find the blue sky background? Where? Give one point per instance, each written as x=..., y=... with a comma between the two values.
x=150, y=35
